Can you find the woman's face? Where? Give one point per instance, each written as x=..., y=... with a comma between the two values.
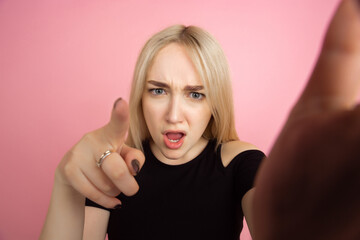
x=175, y=107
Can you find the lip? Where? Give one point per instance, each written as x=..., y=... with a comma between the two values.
x=173, y=145
x=174, y=131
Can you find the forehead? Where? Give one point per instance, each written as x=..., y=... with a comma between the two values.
x=172, y=64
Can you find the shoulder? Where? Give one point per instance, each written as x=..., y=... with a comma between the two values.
x=229, y=150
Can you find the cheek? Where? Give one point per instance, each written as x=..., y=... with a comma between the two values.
x=148, y=111
x=206, y=112
x=207, y=119
x=202, y=118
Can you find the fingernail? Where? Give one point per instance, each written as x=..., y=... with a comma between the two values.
x=136, y=166
x=117, y=206
x=119, y=99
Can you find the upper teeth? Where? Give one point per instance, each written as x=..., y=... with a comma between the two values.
x=174, y=140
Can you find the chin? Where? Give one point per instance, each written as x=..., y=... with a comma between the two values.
x=172, y=154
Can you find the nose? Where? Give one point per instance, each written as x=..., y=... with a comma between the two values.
x=175, y=111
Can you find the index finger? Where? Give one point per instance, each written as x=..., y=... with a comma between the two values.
x=118, y=125
x=335, y=81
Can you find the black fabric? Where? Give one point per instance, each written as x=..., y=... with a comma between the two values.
x=200, y=199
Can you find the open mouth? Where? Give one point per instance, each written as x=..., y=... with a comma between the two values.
x=174, y=139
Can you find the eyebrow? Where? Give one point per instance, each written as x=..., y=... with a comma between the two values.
x=187, y=87
x=158, y=84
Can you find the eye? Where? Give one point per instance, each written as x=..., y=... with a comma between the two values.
x=157, y=91
x=196, y=95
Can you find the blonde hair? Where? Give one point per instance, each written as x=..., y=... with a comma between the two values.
x=211, y=64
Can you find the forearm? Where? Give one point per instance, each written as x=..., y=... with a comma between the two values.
x=65, y=217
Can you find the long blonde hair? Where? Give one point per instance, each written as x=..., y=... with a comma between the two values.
x=211, y=64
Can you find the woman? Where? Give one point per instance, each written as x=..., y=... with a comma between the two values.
x=306, y=189
x=196, y=180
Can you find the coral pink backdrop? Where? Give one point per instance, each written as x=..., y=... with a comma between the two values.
x=63, y=63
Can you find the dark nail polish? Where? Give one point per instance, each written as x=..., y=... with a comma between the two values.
x=117, y=206
x=136, y=166
x=119, y=99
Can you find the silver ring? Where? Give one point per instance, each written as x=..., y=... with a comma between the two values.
x=102, y=158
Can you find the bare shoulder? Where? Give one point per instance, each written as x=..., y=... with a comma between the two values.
x=230, y=149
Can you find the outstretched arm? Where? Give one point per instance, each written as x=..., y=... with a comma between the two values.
x=308, y=188
x=78, y=176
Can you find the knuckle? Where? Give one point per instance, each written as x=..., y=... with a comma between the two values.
x=69, y=170
x=110, y=190
x=107, y=188
x=69, y=155
x=86, y=136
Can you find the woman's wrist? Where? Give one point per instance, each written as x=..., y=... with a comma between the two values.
x=65, y=217
x=63, y=185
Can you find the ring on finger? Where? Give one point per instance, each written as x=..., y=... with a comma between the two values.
x=102, y=158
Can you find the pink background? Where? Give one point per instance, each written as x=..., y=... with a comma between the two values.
x=63, y=63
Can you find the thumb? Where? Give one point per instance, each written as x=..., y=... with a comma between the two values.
x=118, y=125
x=335, y=81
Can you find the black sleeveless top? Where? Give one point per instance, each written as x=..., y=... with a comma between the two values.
x=200, y=199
